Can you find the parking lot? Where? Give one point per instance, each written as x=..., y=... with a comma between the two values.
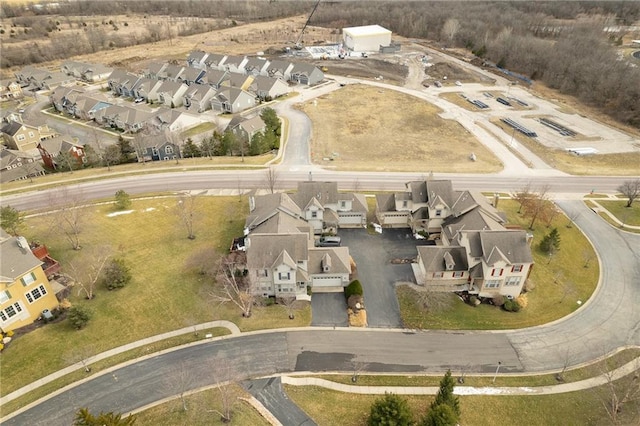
x=373, y=255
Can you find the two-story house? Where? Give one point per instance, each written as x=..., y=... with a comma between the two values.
x=19, y=165
x=50, y=149
x=25, y=291
x=245, y=128
x=24, y=137
x=9, y=90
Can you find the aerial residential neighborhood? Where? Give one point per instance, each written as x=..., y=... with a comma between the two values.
x=319, y=213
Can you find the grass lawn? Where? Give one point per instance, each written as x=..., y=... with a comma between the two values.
x=581, y=408
x=199, y=406
x=627, y=215
x=163, y=296
x=200, y=128
x=390, y=131
x=560, y=282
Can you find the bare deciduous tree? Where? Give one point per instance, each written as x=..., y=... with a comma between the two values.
x=587, y=257
x=186, y=210
x=289, y=302
x=180, y=381
x=618, y=392
x=87, y=269
x=567, y=359
x=68, y=219
x=523, y=196
x=224, y=376
x=450, y=29
x=631, y=190
x=271, y=178
x=80, y=354
x=358, y=367
x=538, y=206
x=233, y=286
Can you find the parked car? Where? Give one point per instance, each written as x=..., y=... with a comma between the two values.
x=139, y=100
x=328, y=242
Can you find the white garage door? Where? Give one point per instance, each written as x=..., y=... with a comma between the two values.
x=325, y=282
x=350, y=219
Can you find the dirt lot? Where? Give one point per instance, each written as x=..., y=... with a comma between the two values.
x=365, y=68
x=365, y=128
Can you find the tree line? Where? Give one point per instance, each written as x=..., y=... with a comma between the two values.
x=570, y=46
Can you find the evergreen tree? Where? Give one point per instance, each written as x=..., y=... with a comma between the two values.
x=10, y=220
x=271, y=121
x=92, y=157
x=227, y=143
x=126, y=150
x=445, y=395
x=551, y=242
x=123, y=201
x=116, y=274
x=392, y=410
x=85, y=418
x=440, y=415
x=190, y=149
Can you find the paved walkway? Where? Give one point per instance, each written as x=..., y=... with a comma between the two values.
x=603, y=379
x=115, y=351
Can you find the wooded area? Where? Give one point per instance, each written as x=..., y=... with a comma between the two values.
x=570, y=46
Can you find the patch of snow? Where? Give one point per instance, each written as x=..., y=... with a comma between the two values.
x=119, y=213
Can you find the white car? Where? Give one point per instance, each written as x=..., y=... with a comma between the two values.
x=139, y=100
x=458, y=83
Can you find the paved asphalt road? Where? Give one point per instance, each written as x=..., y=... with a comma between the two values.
x=136, y=385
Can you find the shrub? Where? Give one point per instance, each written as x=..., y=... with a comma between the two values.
x=353, y=288
x=498, y=300
x=1, y=346
x=79, y=317
x=9, y=333
x=123, y=201
x=116, y=274
x=511, y=305
x=474, y=301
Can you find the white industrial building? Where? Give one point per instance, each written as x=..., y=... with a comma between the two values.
x=368, y=38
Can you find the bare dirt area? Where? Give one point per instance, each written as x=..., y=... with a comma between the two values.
x=365, y=128
x=622, y=164
x=368, y=68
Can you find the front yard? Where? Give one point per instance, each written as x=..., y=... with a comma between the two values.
x=562, y=285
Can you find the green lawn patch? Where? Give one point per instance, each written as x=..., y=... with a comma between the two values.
x=560, y=283
x=627, y=215
x=200, y=128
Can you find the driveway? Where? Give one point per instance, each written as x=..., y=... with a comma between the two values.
x=329, y=309
x=373, y=255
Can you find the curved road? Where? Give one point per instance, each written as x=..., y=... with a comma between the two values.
x=609, y=320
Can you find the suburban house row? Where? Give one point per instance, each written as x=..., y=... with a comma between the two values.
x=475, y=251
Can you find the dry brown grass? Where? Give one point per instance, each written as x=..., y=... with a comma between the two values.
x=389, y=131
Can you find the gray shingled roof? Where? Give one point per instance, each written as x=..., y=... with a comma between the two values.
x=264, y=249
x=267, y=205
x=385, y=202
x=324, y=192
x=433, y=257
x=339, y=259
x=15, y=261
x=442, y=189
x=281, y=223
x=512, y=245
x=418, y=191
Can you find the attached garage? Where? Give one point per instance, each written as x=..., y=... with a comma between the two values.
x=327, y=284
x=351, y=220
x=368, y=38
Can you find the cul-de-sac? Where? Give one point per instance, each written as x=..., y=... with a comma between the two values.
x=264, y=212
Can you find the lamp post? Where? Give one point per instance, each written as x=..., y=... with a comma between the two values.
x=495, y=375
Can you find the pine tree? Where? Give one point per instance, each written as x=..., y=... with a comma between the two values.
x=445, y=396
x=551, y=242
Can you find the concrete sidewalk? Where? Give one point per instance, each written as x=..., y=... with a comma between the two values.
x=603, y=379
x=115, y=351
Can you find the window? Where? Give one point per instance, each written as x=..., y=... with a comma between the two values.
x=314, y=214
x=31, y=135
x=21, y=137
x=154, y=151
x=404, y=203
x=496, y=272
x=438, y=213
x=458, y=274
x=168, y=149
x=4, y=296
x=512, y=281
x=284, y=276
x=10, y=311
x=28, y=279
x=263, y=272
x=492, y=284
x=516, y=268
x=36, y=293
x=437, y=275
x=343, y=204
